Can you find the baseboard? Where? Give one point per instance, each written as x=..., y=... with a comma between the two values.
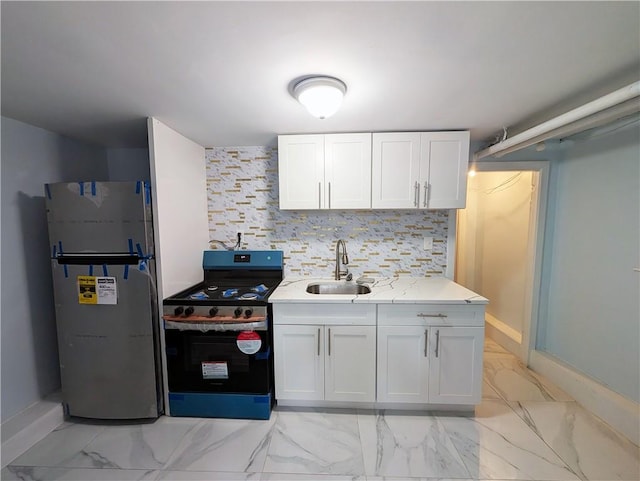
x=620, y=413
x=29, y=426
x=503, y=334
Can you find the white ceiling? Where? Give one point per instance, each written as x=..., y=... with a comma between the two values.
x=219, y=72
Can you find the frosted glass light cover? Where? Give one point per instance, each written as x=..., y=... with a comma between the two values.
x=322, y=96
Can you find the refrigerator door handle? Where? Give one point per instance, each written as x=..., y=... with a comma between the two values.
x=97, y=259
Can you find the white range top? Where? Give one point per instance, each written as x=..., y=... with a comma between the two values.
x=394, y=290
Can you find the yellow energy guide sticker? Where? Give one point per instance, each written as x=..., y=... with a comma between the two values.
x=87, y=290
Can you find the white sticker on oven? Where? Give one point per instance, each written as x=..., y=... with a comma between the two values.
x=215, y=370
x=249, y=342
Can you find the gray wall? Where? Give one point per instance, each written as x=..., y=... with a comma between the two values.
x=128, y=164
x=590, y=314
x=30, y=158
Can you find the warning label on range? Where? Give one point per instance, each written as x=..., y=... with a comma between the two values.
x=249, y=342
x=97, y=290
x=215, y=370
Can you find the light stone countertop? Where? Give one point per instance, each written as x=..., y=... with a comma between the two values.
x=393, y=290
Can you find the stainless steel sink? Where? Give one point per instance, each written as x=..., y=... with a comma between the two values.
x=337, y=288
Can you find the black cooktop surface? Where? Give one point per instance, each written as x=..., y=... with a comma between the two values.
x=215, y=294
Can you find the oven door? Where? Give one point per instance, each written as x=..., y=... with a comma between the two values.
x=218, y=361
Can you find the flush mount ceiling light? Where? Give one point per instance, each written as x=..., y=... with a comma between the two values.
x=322, y=96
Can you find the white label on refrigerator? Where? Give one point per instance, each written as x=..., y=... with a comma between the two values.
x=215, y=370
x=107, y=290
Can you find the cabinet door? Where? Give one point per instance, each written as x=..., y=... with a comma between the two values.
x=301, y=171
x=299, y=362
x=350, y=363
x=347, y=162
x=444, y=160
x=455, y=372
x=395, y=170
x=403, y=364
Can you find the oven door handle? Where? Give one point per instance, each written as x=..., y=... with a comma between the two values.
x=184, y=325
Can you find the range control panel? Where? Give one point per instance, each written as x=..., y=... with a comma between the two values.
x=192, y=313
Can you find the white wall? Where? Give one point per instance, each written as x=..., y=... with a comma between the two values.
x=494, y=241
x=179, y=187
x=590, y=314
x=30, y=158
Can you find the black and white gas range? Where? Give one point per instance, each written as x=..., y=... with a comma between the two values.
x=219, y=337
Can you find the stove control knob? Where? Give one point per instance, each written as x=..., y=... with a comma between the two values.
x=178, y=310
x=237, y=312
x=213, y=311
x=188, y=311
x=248, y=313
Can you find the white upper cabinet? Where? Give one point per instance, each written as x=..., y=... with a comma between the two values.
x=396, y=170
x=347, y=171
x=425, y=170
x=301, y=171
x=444, y=160
x=330, y=171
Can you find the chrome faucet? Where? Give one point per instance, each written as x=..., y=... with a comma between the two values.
x=344, y=259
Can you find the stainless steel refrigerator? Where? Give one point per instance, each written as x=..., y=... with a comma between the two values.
x=102, y=261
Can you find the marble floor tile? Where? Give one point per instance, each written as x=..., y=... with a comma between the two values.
x=135, y=446
x=511, y=379
x=205, y=476
x=315, y=442
x=395, y=478
x=589, y=446
x=309, y=477
x=61, y=446
x=31, y=473
x=497, y=444
x=401, y=444
x=232, y=445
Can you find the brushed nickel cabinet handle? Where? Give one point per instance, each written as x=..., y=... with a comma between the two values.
x=437, y=341
x=318, y=341
x=441, y=316
x=416, y=193
x=329, y=341
x=426, y=341
x=426, y=185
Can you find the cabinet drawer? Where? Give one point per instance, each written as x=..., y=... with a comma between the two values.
x=325, y=314
x=430, y=315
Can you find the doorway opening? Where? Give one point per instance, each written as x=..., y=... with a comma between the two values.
x=499, y=248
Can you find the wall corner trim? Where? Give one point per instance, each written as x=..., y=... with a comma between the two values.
x=620, y=413
x=22, y=431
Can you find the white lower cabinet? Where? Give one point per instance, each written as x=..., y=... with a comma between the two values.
x=325, y=362
x=350, y=363
x=455, y=370
x=430, y=354
x=403, y=364
x=299, y=362
x=416, y=355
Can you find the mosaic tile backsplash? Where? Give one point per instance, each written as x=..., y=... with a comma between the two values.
x=242, y=188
